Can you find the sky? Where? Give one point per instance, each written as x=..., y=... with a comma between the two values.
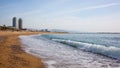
x=75, y=15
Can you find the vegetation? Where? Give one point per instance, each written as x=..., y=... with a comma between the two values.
x=4, y=27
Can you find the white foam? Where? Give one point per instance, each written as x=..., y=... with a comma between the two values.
x=50, y=64
x=110, y=51
x=56, y=55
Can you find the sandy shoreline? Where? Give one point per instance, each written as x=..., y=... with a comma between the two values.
x=11, y=54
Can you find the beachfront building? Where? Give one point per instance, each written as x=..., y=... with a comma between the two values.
x=16, y=25
x=20, y=24
x=14, y=22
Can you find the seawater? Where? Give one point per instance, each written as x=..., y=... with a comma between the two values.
x=75, y=50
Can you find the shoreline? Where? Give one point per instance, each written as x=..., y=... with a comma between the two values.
x=11, y=53
x=63, y=55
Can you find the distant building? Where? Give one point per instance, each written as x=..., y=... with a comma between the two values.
x=14, y=22
x=20, y=23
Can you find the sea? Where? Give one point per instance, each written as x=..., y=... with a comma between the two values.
x=83, y=50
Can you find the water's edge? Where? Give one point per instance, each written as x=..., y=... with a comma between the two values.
x=56, y=55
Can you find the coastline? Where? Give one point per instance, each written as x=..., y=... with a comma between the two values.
x=70, y=50
x=11, y=53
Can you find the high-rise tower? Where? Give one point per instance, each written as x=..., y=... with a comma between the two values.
x=14, y=22
x=20, y=23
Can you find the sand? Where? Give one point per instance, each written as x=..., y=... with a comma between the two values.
x=11, y=54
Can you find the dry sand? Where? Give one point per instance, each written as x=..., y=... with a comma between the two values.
x=11, y=54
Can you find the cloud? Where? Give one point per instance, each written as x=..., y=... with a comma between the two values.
x=101, y=6
x=68, y=11
x=96, y=7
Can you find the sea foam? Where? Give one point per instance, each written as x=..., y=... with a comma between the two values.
x=110, y=51
x=56, y=55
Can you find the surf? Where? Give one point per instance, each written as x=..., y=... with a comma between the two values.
x=55, y=54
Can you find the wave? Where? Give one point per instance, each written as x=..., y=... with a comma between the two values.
x=57, y=55
x=110, y=51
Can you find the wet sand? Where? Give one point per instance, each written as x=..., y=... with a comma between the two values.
x=11, y=54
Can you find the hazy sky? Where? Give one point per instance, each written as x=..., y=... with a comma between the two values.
x=78, y=15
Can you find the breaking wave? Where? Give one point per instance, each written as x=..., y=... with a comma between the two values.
x=109, y=51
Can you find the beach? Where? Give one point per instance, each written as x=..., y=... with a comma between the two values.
x=24, y=49
x=11, y=54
